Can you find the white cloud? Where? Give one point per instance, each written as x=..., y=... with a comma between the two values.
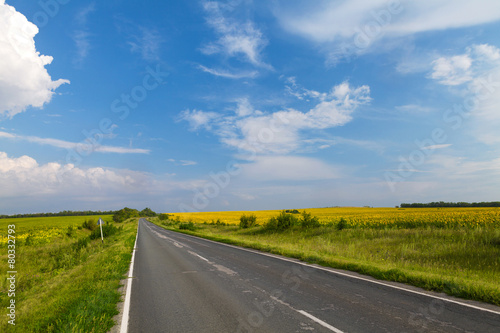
x=24, y=80
x=434, y=147
x=28, y=186
x=452, y=71
x=85, y=146
x=301, y=93
x=235, y=38
x=289, y=168
x=348, y=27
x=477, y=71
x=182, y=162
x=229, y=75
x=327, y=21
x=254, y=131
x=487, y=52
x=466, y=68
x=198, y=119
x=23, y=176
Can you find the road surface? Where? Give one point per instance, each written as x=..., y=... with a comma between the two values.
x=187, y=284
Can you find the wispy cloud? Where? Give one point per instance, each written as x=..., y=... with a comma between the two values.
x=434, y=147
x=81, y=35
x=236, y=38
x=82, y=44
x=147, y=43
x=73, y=145
x=414, y=108
x=349, y=27
x=229, y=75
x=182, y=162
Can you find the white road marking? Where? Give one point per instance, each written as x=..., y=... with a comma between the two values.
x=126, y=305
x=224, y=269
x=221, y=268
x=321, y=322
x=197, y=255
x=308, y=315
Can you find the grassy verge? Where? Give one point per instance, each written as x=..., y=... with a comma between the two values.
x=67, y=280
x=458, y=261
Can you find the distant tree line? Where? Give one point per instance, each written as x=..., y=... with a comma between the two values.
x=63, y=213
x=450, y=204
x=126, y=213
x=118, y=215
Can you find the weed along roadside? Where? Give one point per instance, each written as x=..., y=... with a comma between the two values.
x=451, y=250
x=67, y=277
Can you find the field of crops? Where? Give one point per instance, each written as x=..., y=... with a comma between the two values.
x=43, y=230
x=398, y=218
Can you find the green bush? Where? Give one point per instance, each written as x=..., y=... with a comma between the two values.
x=282, y=222
x=342, y=224
x=70, y=232
x=89, y=224
x=147, y=212
x=163, y=216
x=187, y=226
x=124, y=214
x=81, y=243
x=308, y=221
x=247, y=221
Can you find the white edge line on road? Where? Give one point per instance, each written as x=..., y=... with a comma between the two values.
x=334, y=271
x=126, y=306
x=197, y=255
x=308, y=315
x=319, y=321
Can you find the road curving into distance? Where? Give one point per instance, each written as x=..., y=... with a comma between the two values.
x=187, y=284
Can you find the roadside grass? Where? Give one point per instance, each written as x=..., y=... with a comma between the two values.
x=67, y=279
x=459, y=260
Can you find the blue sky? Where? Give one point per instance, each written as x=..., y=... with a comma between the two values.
x=244, y=105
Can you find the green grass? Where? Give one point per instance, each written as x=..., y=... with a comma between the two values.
x=66, y=282
x=459, y=261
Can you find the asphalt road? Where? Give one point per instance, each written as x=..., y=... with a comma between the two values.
x=186, y=284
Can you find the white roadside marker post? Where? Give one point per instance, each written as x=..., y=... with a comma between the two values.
x=100, y=222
